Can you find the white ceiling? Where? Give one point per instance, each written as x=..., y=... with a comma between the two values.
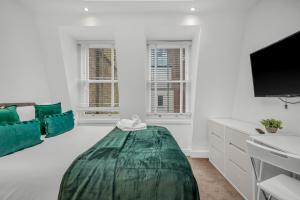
x=133, y=6
x=107, y=33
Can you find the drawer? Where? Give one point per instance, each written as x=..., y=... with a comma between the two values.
x=239, y=178
x=216, y=129
x=216, y=141
x=239, y=157
x=216, y=157
x=236, y=138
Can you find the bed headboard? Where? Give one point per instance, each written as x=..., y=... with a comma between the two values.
x=3, y=105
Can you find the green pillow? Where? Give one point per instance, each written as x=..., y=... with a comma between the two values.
x=59, y=123
x=43, y=110
x=18, y=136
x=9, y=114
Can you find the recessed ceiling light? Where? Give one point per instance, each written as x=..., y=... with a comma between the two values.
x=86, y=9
x=192, y=9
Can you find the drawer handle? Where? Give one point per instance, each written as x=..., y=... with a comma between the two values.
x=213, y=133
x=237, y=147
x=278, y=154
x=237, y=165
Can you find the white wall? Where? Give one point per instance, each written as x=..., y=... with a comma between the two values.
x=183, y=135
x=220, y=45
x=22, y=72
x=59, y=35
x=221, y=73
x=268, y=22
x=216, y=48
x=71, y=54
x=58, y=32
x=131, y=50
x=50, y=39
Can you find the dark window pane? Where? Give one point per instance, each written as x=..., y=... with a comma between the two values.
x=168, y=64
x=160, y=100
x=170, y=96
x=100, y=95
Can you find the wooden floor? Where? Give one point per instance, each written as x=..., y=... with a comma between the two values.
x=212, y=185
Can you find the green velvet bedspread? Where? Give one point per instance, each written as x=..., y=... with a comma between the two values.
x=137, y=165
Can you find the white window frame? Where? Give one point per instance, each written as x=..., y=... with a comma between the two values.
x=85, y=81
x=170, y=44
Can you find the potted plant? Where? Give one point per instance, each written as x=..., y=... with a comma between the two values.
x=271, y=125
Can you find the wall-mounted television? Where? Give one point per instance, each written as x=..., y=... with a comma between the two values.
x=276, y=68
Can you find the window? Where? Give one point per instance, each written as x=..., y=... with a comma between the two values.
x=168, y=78
x=160, y=100
x=100, y=95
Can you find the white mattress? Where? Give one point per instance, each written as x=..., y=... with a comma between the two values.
x=35, y=173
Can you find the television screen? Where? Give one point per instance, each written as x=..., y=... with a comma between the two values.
x=276, y=68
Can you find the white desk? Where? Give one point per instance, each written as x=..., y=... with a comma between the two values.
x=286, y=143
x=229, y=154
x=289, y=144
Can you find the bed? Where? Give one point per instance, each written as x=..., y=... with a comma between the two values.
x=145, y=165
x=35, y=173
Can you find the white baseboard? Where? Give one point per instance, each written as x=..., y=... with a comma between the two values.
x=187, y=152
x=195, y=153
x=199, y=154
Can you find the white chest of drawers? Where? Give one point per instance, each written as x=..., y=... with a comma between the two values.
x=228, y=152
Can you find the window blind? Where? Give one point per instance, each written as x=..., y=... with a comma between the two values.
x=101, y=91
x=167, y=79
x=100, y=63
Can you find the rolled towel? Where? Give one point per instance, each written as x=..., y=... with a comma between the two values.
x=131, y=125
x=136, y=119
x=127, y=123
x=141, y=126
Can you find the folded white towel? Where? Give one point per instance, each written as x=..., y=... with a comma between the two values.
x=136, y=119
x=131, y=125
x=127, y=123
x=141, y=126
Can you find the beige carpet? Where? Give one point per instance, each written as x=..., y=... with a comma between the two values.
x=212, y=185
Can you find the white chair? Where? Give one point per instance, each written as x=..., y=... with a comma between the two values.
x=281, y=187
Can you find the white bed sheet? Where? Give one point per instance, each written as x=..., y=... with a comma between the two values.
x=35, y=173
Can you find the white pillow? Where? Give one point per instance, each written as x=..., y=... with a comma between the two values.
x=26, y=113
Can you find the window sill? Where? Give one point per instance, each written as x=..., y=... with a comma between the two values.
x=169, y=121
x=95, y=121
x=152, y=118
x=169, y=118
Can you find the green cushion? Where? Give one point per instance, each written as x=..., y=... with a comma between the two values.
x=43, y=110
x=20, y=135
x=59, y=123
x=8, y=115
